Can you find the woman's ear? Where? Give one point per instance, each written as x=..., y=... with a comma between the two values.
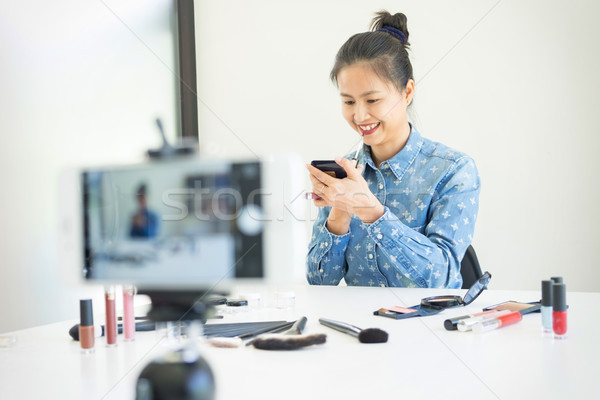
x=409, y=91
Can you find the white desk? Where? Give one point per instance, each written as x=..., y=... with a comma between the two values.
x=420, y=361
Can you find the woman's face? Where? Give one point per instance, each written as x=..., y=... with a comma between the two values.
x=373, y=107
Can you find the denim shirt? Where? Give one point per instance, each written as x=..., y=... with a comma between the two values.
x=430, y=195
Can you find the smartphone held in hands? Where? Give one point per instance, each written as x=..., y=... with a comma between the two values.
x=330, y=167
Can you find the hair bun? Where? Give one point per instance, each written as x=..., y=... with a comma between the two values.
x=398, y=21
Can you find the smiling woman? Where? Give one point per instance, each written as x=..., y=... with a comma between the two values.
x=406, y=215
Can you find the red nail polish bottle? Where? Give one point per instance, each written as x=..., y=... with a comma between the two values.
x=559, y=313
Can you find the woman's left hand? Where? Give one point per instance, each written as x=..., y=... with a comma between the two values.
x=351, y=194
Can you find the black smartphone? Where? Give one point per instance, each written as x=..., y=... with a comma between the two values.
x=330, y=167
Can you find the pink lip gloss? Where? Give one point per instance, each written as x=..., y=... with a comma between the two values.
x=559, y=310
x=111, y=316
x=128, y=317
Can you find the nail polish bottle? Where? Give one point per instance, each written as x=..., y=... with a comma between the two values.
x=559, y=312
x=86, y=326
x=546, y=308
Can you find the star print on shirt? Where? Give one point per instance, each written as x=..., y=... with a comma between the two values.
x=412, y=255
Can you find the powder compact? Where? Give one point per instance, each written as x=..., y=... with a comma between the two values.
x=443, y=302
x=435, y=304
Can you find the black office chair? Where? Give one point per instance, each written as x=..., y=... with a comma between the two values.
x=469, y=268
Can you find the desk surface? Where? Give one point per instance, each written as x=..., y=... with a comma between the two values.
x=420, y=361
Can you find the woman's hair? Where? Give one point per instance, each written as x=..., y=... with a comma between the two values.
x=384, y=48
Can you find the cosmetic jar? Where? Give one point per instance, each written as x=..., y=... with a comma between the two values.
x=253, y=300
x=285, y=299
x=237, y=306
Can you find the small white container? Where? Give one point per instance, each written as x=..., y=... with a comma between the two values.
x=285, y=299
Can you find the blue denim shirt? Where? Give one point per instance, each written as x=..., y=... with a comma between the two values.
x=431, y=198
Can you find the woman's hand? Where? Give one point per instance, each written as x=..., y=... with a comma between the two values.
x=350, y=195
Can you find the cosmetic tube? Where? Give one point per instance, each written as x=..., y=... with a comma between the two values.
x=111, y=316
x=128, y=317
x=86, y=326
x=557, y=279
x=546, y=307
x=467, y=324
x=559, y=312
x=451, y=324
x=498, y=322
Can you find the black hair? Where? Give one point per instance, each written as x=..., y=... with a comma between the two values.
x=385, y=52
x=141, y=190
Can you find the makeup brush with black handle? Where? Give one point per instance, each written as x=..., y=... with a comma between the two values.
x=369, y=335
x=290, y=339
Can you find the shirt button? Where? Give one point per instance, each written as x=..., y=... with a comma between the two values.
x=381, y=186
x=380, y=236
x=325, y=243
x=370, y=256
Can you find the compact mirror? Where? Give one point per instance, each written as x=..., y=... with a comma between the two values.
x=442, y=302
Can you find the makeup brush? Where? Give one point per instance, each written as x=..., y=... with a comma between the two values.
x=233, y=338
x=290, y=339
x=369, y=335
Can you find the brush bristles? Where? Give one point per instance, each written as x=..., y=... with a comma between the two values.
x=372, y=335
x=283, y=342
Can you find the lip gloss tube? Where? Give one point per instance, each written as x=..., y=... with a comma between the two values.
x=467, y=324
x=546, y=307
x=111, y=316
x=451, y=324
x=559, y=313
x=128, y=318
x=86, y=326
x=499, y=322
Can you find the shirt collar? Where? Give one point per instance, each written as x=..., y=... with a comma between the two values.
x=401, y=161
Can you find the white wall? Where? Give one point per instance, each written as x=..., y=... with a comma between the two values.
x=78, y=88
x=512, y=83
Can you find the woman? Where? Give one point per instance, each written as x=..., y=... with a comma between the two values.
x=405, y=215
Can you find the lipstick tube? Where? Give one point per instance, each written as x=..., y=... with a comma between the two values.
x=128, y=317
x=111, y=316
x=86, y=326
x=498, y=322
x=559, y=312
x=546, y=307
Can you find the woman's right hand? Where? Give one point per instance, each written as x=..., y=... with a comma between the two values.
x=347, y=196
